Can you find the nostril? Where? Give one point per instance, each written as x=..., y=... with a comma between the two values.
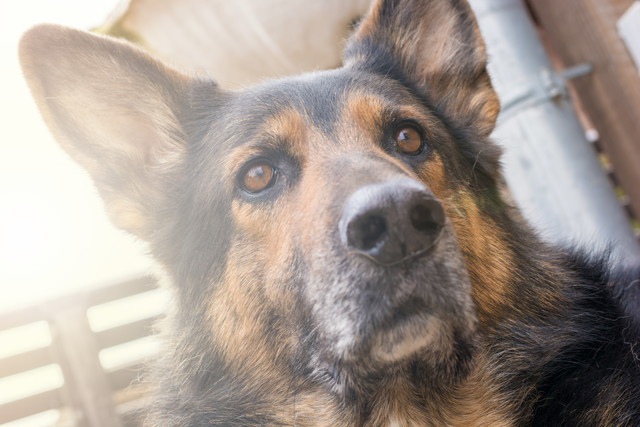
x=427, y=216
x=366, y=232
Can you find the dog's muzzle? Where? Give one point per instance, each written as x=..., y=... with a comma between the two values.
x=391, y=222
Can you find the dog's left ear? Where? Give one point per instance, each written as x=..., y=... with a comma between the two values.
x=436, y=46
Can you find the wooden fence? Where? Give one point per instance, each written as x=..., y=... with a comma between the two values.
x=584, y=32
x=76, y=339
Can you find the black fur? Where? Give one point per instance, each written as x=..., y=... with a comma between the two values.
x=600, y=370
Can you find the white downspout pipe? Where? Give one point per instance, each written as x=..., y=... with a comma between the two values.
x=551, y=169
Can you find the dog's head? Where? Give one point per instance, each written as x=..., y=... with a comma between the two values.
x=324, y=224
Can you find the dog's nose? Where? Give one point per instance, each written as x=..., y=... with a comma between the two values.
x=392, y=221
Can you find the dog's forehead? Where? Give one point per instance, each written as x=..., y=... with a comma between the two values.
x=319, y=98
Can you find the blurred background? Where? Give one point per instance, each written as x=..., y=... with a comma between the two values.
x=55, y=239
x=54, y=235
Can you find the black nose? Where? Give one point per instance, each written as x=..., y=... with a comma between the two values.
x=391, y=221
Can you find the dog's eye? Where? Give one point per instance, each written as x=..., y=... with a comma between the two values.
x=258, y=177
x=408, y=140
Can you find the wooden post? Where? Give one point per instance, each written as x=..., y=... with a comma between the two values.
x=86, y=383
x=584, y=31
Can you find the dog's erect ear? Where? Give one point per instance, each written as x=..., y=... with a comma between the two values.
x=436, y=45
x=115, y=110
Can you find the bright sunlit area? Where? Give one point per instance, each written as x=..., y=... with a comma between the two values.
x=54, y=236
x=56, y=241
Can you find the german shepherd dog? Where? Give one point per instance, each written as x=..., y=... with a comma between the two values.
x=338, y=242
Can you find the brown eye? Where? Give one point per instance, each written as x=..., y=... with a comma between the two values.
x=258, y=177
x=408, y=140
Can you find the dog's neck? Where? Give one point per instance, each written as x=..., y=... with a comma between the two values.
x=404, y=400
x=399, y=398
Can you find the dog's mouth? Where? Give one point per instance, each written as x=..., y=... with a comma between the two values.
x=407, y=338
x=406, y=258
x=409, y=334
x=403, y=332
x=403, y=314
x=393, y=333
x=380, y=315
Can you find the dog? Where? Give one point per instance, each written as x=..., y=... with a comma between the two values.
x=339, y=244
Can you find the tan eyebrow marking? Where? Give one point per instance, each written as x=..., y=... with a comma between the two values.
x=284, y=131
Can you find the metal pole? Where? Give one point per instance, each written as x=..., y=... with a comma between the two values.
x=550, y=168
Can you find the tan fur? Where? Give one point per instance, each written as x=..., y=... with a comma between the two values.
x=363, y=112
x=489, y=259
x=478, y=402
